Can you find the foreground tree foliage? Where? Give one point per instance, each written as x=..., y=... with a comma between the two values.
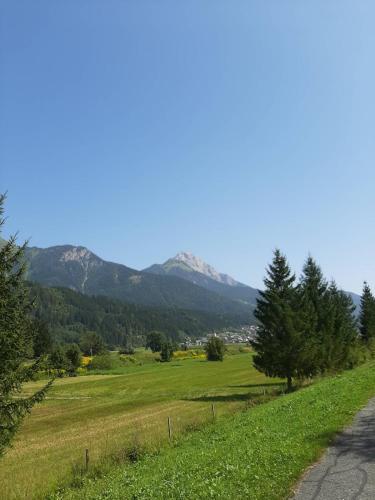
x=305, y=328
x=215, y=349
x=16, y=341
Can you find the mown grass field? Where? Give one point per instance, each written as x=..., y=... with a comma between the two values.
x=106, y=413
x=258, y=454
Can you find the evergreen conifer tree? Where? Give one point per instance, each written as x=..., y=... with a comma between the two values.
x=16, y=341
x=313, y=305
x=367, y=315
x=42, y=343
x=280, y=342
x=340, y=334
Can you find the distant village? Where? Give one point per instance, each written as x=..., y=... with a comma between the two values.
x=243, y=335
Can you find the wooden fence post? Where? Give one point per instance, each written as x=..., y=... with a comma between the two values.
x=169, y=428
x=213, y=412
x=87, y=459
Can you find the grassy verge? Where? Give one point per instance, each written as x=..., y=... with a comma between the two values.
x=257, y=454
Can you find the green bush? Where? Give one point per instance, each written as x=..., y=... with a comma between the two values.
x=74, y=356
x=101, y=362
x=127, y=350
x=245, y=349
x=58, y=361
x=125, y=359
x=166, y=351
x=92, y=344
x=215, y=349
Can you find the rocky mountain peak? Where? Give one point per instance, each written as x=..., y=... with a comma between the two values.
x=77, y=254
x=198, y=265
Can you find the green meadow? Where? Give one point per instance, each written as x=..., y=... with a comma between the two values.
x=257, y=454
x=109, y=412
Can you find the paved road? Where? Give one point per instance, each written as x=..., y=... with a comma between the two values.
x=347, y=469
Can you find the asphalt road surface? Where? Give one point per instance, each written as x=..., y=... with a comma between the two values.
x=347, y=469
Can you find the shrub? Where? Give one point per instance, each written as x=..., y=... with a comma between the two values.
x=92, y=343
x=189, y=354
x=129, y=350
x=215, y=349
x=57, y=360
x=101, y=362
x=181, y=354
x=166, y=352
x=125, y=359
x=86, y=360
x=244, y=349
x=73, y=355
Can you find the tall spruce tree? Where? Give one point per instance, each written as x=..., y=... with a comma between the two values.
x=312, y=291
x=42, y=339
x=340, y=340
x=367, y=315
x=16, y=341
x=280, y=341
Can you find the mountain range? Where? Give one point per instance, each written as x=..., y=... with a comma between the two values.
x=184, y=281
x=191, y=268
x=189, y=284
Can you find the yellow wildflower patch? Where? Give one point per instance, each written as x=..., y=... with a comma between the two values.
x=189, y=354
x=86, y=360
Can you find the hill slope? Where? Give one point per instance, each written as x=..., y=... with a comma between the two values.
x=78, y=268
x=193, y=269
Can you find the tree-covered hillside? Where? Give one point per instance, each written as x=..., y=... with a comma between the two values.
x=69, y=314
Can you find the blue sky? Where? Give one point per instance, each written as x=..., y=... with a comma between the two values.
x=142, y=128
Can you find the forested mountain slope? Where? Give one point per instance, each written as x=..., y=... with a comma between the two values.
x=69, y=314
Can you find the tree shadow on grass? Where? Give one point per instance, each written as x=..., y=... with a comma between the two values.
x=223, y=398
x=269, y=388
x=266, y=384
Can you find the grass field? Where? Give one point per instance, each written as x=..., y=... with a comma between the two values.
x=105, y=413
x=258, y=454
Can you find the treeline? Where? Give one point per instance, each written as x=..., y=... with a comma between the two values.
x=308, y=327
x=69, y=315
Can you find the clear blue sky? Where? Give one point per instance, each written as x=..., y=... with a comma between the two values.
x=142, y=128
